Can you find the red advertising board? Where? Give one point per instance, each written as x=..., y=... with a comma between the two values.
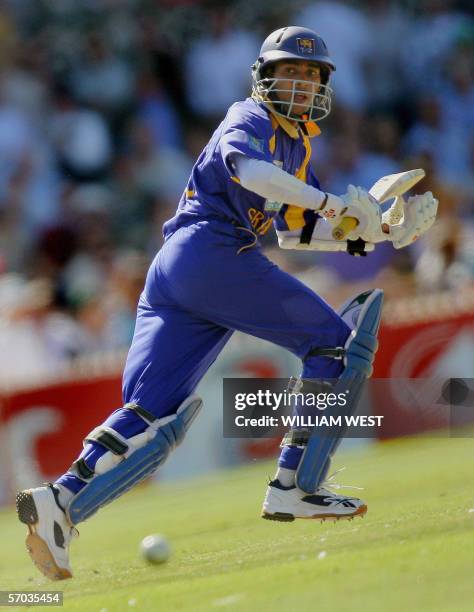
x=43, y=428
x=430, y=338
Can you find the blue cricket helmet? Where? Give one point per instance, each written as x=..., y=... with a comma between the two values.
x=292, y=43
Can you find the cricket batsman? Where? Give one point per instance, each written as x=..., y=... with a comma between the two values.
x=211, y=278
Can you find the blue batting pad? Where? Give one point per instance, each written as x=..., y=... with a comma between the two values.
x=104, y=488
x=360, y=353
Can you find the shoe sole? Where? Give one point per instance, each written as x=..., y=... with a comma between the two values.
x=286, y=517
x=37, y=547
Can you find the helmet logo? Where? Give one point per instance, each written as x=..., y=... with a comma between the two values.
x=305, y=46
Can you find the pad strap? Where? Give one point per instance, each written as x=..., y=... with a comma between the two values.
x=296, y=438
x=109, y=439
x=314, y=386
x=337, y=352
x=80, y=469
x=146, y=415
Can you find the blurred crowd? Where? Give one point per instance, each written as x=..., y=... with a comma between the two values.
x=105, y=104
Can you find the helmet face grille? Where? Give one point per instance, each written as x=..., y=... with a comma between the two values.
x=314, y=97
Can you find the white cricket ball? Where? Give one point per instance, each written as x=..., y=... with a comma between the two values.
x=155, y=549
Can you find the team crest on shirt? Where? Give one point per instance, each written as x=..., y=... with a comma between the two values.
x=272, y=206
x=256, y=144
x=305, y=46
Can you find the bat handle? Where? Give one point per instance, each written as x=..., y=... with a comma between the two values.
x=345, y=227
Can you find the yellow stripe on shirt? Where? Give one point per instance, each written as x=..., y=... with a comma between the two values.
x=301, y=172
x=272, y=141
x=294, y=217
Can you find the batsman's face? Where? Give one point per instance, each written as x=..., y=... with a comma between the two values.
x=298, y=83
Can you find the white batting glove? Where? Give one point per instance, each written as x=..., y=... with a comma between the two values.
x=365, y=208
x=357, y=203
x=419, y=214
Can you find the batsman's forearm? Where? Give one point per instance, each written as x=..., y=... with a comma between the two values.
x=274, y=184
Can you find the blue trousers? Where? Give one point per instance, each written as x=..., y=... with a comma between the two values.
x=197, y=292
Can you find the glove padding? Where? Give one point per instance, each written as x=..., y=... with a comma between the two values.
x=365, y=208
x=419, y=214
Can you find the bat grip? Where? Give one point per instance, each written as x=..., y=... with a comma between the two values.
x=346, y=226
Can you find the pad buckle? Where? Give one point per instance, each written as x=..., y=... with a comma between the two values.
x=296, y=437
x=338, y=352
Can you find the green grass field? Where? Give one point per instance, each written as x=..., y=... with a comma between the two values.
x=413, y=551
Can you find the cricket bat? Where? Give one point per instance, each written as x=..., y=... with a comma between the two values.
x=386, y=188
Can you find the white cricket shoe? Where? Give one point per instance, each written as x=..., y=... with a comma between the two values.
x=49, y=532
x=288, y=503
